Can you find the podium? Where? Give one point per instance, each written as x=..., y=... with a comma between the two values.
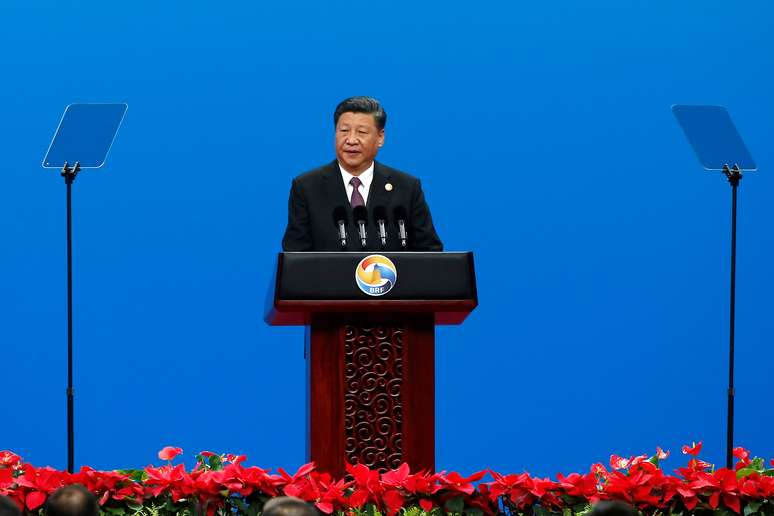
x=370, y=348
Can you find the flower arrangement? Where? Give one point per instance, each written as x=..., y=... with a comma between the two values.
x=220, y=484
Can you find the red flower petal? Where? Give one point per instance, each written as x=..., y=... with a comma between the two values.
x=169, y=452
x=35, y=499
x=426, y=505
x=326, y=507
x=692, y=450
x=393, y=500
x=714, y=499
x=732, y=502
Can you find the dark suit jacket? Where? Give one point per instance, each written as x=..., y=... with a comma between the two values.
x=316, y=194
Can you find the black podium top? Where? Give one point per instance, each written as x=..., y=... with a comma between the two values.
x=420, y=282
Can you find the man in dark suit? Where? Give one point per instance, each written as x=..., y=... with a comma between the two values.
x=321, y=197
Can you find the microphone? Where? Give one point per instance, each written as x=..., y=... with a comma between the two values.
x=340, y=220
x=401, y=216
x=380, y=216
x=360, y=214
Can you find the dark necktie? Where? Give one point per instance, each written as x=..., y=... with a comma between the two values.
x=356, y=199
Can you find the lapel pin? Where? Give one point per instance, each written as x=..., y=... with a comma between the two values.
x=388, y=187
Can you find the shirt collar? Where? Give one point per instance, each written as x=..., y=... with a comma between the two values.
x=365, y=178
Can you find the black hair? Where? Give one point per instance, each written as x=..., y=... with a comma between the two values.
x=367, y=105
x=289, y=506
x=8, y=507
x=72, y=500
x=613, y=508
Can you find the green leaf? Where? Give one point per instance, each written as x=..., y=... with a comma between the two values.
x=751, y=508
x=542, y=511
x=581, y=508
x=371, y=510
x=474, y=511
x=757, y=464
x=138, y=475
x=456, y=504
x=216, y=462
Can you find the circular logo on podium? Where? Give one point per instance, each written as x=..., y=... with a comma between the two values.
x=375, y=275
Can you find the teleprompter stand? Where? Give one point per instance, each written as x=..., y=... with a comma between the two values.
x=84, y=137
x=69, y=173
x=717, y=143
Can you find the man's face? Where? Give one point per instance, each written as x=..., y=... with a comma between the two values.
x=357, y=141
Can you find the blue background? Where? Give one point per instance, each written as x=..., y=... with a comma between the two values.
x=544, y=139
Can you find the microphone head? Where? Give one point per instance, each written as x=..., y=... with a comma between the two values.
x=400, y=213
x=359, y=213
x=339, y=215
x=380, y=213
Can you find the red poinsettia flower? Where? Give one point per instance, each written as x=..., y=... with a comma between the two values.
x=6, y=479
x=694, y=449
x=456, y=482
x=368, y=488
x=9, y=459
x=169, y=452
x=743, y=456
x=393, y=501
x=235, y=459
x=661, y=454
x=699, y=464
x=618, y=462
x=396, y=477
x=39, y=483
x=173, y=480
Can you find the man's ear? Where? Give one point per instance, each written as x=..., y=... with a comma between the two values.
x=381, y=137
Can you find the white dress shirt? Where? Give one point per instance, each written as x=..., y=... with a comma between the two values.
x=365, y=182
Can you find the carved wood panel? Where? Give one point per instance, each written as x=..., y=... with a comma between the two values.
x=373, y=409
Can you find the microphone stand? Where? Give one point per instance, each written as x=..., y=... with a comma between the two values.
x=69, y=174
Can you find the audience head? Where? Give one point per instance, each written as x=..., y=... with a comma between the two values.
x=74, y=500
x=8, y=507
x=613, y=508
x=288, y=506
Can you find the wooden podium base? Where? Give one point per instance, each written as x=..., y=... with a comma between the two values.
x=371, y=391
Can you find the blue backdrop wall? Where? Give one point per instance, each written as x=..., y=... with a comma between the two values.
x=602, y=259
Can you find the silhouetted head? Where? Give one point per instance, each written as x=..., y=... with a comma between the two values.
x=613, y=508
x=288, y=506
x=74, y=500
x=8, y=507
